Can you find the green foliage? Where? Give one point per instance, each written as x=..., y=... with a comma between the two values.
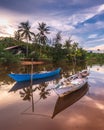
x=95, y=56
x=10, y=41
x=57, y=53
x=34, y=55
x=75, y=53
x=80, y=54
x=8, y=58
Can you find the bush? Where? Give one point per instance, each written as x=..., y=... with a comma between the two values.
x=8, y=58
x=34, y=55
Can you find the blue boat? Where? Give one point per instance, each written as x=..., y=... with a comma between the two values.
x=34, y=76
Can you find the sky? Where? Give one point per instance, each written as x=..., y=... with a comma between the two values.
x=82, y=20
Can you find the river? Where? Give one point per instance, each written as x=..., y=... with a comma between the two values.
x=86, y=113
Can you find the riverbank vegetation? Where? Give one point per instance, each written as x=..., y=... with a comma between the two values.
x=39, y=46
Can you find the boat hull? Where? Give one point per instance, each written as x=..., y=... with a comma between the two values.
x=62, y=90
x=27, y=77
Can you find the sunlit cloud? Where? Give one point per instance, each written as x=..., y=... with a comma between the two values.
x=101, y=8
x=101, y=47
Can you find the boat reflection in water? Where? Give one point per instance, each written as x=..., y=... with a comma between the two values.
x=27, y=88
x=25, y=84
x=63, y=102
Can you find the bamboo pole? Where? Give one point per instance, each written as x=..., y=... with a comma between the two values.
x=31, y=83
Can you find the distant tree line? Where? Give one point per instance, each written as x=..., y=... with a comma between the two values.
x=40, y=46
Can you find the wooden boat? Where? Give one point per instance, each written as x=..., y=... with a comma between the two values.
x=70, y=84
x=64, y=102
x=34, y=76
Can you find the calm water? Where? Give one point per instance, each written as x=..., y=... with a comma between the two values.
x=82, y=110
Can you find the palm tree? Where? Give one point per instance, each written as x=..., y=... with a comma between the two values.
x=68, y=43
x=58, y=38
x=67, y=46
x=25, y=33
x=43, y=30
x=57, y=52
x=74, y=49
x=75, y=46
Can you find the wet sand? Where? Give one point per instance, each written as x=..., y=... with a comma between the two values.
x=86, y=114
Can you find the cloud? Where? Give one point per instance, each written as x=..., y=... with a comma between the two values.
x=95, y=40
x=101, y=8
x=95, y=43
x=85, y=14
x=6, y=29
x=92, y=36
x=80, y=19
x=101, y=47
